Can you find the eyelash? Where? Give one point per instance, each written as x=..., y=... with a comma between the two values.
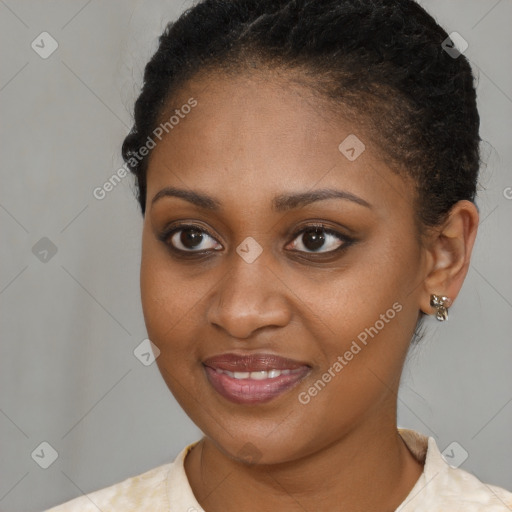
x=169, y=232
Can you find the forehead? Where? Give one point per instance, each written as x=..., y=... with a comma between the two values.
x=255, y=136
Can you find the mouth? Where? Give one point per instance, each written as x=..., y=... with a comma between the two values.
x=254, y=378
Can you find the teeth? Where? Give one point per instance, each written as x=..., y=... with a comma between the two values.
x=259, y=375
x=241, y=375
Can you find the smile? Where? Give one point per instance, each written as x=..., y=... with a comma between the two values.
x=253, y=379
x=260, y=375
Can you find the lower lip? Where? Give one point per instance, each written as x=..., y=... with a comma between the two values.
x=252, y=391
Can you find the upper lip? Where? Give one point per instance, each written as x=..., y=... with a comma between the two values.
x=252, y=362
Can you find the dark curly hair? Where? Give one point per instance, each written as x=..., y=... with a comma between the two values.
x=381, y=61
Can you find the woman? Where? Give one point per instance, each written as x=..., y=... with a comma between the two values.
x=307, y=174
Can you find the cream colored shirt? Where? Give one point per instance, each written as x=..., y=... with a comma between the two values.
x=440, y=488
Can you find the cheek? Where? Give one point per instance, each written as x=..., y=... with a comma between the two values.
x=168, y=303
x=163, y=303
x=376, y=281
x=364, y=315
x=172, y=296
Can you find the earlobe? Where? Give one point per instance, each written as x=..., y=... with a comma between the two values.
x=450, y=246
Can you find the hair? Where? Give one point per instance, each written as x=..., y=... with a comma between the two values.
x=381, y=61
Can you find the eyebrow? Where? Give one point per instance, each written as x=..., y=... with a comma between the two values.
x=280, y=203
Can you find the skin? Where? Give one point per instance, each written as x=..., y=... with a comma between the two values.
x=247, y=140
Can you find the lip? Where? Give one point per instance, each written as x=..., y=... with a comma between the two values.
x=252, y=362
x=248, y=390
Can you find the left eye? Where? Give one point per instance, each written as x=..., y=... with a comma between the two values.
x=313, y=238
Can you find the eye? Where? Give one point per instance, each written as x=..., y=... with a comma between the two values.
x=312, y=238
x=192, y=239
x=189, y=238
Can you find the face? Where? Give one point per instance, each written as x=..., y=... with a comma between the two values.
x=282, y=316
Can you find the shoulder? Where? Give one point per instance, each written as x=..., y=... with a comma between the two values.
x=465, y=488
x=463, y=491
x=147, y=491
x=446, y=488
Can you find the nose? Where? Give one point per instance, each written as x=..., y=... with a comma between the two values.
x=249, y=297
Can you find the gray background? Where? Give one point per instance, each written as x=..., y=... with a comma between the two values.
x=68, y=375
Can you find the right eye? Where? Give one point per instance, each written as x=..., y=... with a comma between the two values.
x=188, y=238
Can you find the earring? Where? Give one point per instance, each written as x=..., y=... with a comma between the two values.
x=441, y=305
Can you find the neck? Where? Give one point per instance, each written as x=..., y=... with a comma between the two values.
x=370, y=469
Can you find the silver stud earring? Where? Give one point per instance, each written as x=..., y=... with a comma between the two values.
x=441, y=305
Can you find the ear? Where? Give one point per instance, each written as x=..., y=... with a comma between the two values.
x=449, y=249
